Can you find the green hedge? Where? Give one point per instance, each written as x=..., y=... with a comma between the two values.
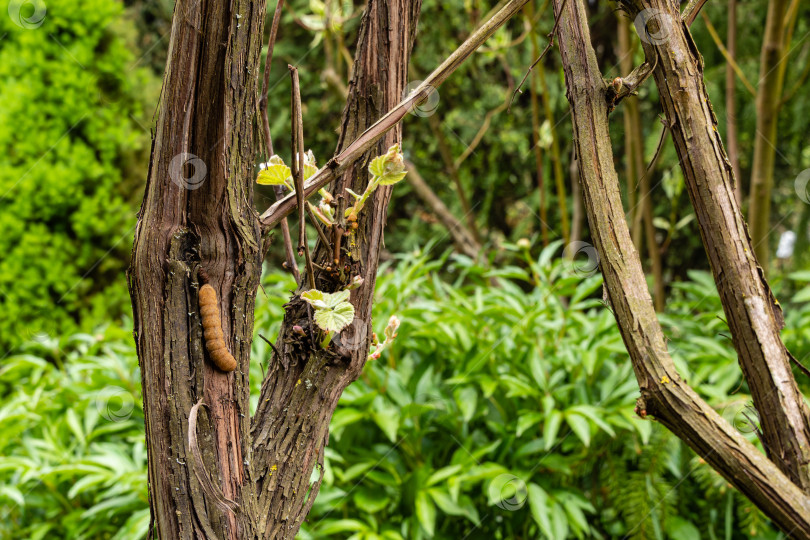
x=73, y=148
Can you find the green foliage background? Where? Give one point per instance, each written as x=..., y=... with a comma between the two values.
x=504, y=408
x=72, y=151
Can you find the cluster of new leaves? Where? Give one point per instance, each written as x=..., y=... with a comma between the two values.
x=385, y=170
x=333, y=311
x=276, y=173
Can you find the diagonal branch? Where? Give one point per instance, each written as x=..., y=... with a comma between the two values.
x=663, y=393
x=691, y=11
x=462, y=237
x=754, y=317
x=337, y=164
x=549, y=45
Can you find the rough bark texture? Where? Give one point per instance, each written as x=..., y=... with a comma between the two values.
x=753, y=315
x=769, y=94
x=305, y=382
x=207, y=109
x=663, y=393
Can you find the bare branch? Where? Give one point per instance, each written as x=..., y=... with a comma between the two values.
x=463, y=238
x=690, y=12
x=754, y=317
x=298, y=172
x=663, y=393
x=542, y=54
x=337, y=164
x=268, y=140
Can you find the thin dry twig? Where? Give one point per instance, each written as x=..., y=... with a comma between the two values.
x=268, y=140
x=722, y=48
x=298, y=172
x=542, y=54
x=338, y=163
x=272, y=346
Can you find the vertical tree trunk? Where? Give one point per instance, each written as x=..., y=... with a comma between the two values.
x=198, y=212
x=753, y=315
x=769, y=94
x=304, y=382
x=663, y=393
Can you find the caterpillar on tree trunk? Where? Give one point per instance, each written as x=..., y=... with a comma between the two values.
x=212, y=326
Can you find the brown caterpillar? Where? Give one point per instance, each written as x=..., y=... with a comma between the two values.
x=212, y=327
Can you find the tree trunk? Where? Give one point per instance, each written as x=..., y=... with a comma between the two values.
x=304, y=382
x=753, y=315
x=197, y=213
x=769, y=94
x=663, y=393
x=197, y=223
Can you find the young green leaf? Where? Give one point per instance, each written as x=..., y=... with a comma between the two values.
x=275, y=173
x=332, y=311
x=334, y=319
x=310, y=167
x=391, y=178
x=426, y=512
x=377, y=165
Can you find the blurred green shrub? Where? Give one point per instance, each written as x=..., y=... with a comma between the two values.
x=72, y=442
x=504, y=409
x=73, y=148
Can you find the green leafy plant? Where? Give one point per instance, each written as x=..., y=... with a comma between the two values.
x=504, y=409
x=72, y=447
x=333, y=312
x=386, y=170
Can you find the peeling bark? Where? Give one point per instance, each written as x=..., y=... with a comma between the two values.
x=304, y=384
x=204, y=479
x=207, y=109
x=663, y=393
